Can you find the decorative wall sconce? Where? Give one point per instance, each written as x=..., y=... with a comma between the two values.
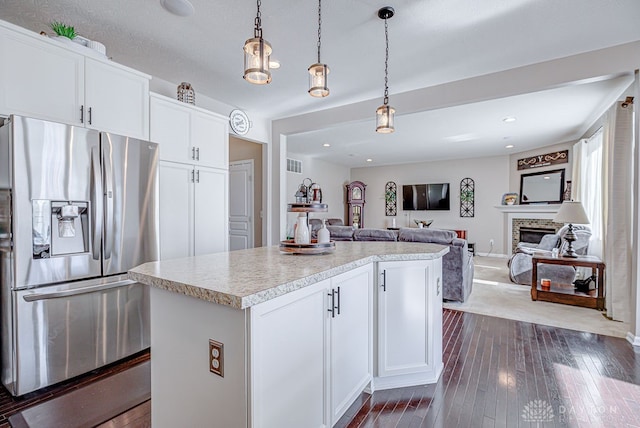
x=318, y=72
x=385, y=113
x=256, y=55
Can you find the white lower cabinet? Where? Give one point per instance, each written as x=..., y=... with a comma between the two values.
x=299, y=359
x=351, y=341
x=311, y=352
x=409, y=329
x=193, y=210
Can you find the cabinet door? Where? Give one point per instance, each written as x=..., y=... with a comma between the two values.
x=176, y=210
x=39, y=79
x=403, y=318
x=169, y=126
x=210, y=138
x=351, y=338
x=116, y=100
x=288, y=369
x=211, y=211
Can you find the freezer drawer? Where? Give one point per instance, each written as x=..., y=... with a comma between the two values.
x=62, y=331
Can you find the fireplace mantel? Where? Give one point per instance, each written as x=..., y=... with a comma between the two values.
x=522, y=209
x=532, y=212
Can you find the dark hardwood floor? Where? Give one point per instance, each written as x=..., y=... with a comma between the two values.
x=497, y=373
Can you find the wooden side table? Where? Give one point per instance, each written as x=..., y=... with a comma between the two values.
x=566, y=293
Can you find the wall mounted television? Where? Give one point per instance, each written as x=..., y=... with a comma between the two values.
x=421, y=197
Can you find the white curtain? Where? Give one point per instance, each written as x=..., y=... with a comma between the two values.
x=588, y=188
x=618, y=214
x=602, y=181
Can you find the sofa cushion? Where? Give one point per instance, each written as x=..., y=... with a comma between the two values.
x=368, y=234
x=341, y=233
x=434, y=236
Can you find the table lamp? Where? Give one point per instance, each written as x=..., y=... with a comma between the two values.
x=571, y=212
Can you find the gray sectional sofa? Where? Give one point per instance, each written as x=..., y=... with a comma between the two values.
x=457, y=264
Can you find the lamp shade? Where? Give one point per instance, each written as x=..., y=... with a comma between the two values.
x=571, y=212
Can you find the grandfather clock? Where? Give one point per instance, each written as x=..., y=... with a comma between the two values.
x=355, y=203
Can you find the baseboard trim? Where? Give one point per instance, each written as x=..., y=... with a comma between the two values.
x=502, y=256
x=633, y=339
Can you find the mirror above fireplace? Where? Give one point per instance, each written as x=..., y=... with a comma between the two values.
x=543, y=187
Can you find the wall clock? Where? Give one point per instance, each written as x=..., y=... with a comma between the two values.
x=239, y=122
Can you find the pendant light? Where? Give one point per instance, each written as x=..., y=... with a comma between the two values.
x=385, y=113
x=256, y=55
x=318, y=72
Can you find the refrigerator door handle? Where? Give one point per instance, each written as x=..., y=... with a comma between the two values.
x=77, y=291
x=108, y=200
x=97, y=196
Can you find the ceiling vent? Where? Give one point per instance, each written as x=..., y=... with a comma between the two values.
x=294, y=165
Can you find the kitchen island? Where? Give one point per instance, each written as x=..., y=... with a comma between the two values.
x=258, y=338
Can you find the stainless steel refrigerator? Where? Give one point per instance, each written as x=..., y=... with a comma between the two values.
x=78, y=208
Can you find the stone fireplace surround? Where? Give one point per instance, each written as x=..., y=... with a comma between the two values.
x=534, y=223
x=534, y=216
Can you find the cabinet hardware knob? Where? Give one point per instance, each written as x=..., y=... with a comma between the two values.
x=90, y=115
x=193, y=153
x=197, y=153
x=332, y=306
x=198, y=176
x=384, y=280
x=81, y=114
x=338, y=294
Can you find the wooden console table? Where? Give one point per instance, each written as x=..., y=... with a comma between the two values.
x=566, y=293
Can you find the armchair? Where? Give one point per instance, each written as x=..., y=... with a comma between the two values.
x=520, y=264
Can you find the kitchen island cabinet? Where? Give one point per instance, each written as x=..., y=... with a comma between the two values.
x=297, y=333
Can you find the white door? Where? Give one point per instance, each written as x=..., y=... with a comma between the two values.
x=211, y=211
x=176, y=210
x=241, y=205
x=169, y=127
x=210, y=137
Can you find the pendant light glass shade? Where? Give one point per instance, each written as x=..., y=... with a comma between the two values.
x=318, y=72
x=318, y=80
x=385, y=113
x=385, y=119
x=256, y=61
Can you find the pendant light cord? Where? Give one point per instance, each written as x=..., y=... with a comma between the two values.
x=386, y=63
x=319, y=27
x=257, y=33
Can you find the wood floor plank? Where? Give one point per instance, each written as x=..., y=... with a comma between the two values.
x=493, y=369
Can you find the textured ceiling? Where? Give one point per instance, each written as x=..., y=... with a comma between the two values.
x=431, y=41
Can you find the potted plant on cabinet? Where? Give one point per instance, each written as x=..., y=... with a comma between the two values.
x=63, y=30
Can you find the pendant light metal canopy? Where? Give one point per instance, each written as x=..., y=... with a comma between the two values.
x=385, y=113
x=318, y=72
x=256, y=55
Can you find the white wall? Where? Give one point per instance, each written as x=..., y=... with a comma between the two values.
x=491, y=176
x=332, y=179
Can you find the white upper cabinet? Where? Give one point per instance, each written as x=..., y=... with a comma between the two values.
x=42, y=78
x=189, y=134
x=38, y=79
x=116, y=99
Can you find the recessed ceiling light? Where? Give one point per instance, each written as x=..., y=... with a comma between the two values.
x=547, y=177
x=369, y=160
x=509, y=146
x=274, y=64
x=509, y=119
x=178, y=7
x=326, y=145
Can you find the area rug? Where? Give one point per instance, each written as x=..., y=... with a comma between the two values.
x=494, y=295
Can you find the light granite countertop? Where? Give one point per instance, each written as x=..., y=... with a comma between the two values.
x=244, y=278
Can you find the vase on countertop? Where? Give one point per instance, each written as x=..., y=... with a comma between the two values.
x=323, y=234
x=302, y=235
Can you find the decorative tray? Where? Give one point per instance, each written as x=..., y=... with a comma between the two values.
x=314, y=247
x=305, y=208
